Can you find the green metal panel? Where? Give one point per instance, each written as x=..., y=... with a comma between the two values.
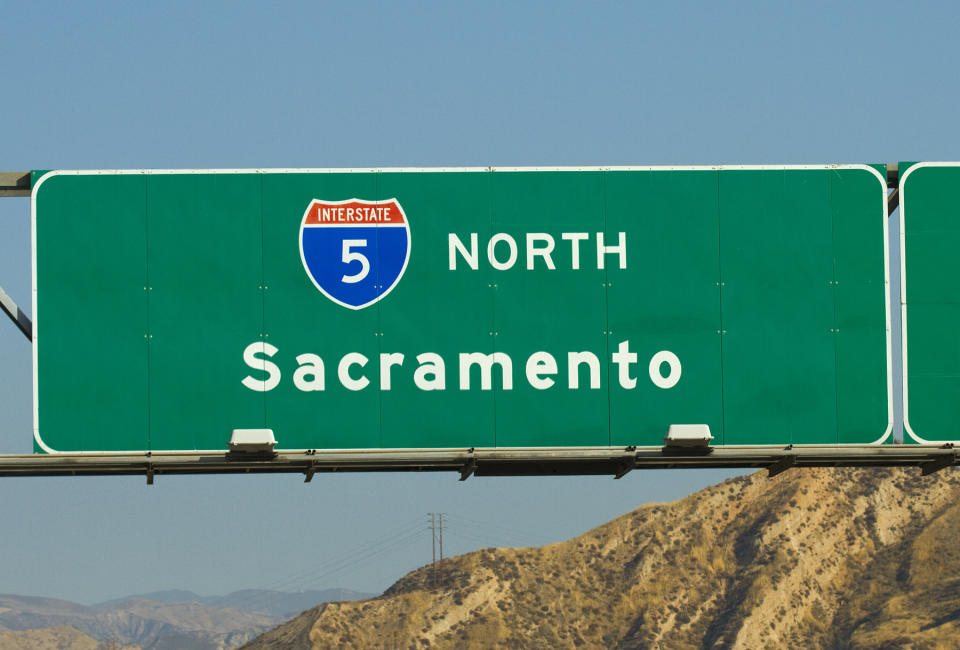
x=452, y=313
x=930, y=230
x=766, y=286
x=300, y=321
x=557, y=311
x=859, y=241
x=91, y=312
x=204, y=274
x=933, y=380
x=668, y=298
x=777, y=294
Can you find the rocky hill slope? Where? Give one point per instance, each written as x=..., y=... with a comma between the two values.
x=859, y=558
x=175, y=620
x=260, y=601
x=62, y=637
x=147, y=624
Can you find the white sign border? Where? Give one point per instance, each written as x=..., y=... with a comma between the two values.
x=903, y=300
x=333, y=170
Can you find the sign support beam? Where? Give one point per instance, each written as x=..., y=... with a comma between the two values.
x=467, y=470
x=939, y=463
x=782, y=465
x=15, y=184
x=610, y=461
x=20, y=319
x=20, y=184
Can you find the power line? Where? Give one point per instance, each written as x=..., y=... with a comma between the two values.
x=335, y=564
x=436, y=532
x=465, y=529
x=363, y=556
x=501, y=535
x=488, y=526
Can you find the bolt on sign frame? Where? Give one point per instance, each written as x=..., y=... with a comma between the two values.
x=535, y=307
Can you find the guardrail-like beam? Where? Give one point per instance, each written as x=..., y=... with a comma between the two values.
x=611, y=461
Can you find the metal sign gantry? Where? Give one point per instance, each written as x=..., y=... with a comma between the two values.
x=612, y=461
x=481, y=462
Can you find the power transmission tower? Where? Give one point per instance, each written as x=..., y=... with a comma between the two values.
x=436, y=533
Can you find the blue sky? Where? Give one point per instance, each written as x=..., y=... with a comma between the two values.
x=217, y=84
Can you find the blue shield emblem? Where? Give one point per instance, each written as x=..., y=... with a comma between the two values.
x=354, y=251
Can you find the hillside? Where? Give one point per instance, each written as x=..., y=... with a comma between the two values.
x=58, y=638
x=856, y=558
x=175, y=619
x=260, y=601
x=143, y=623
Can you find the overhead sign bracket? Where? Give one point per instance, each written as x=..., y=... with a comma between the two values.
x=625, y=468
x=468, y=469
x=893, y=182
x=20, y=319
x=893, y=201
x=940, y=463
x=782, y=465
x=15, y=184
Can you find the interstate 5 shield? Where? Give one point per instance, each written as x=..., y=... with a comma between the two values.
x=355, y=251
x=460, y=308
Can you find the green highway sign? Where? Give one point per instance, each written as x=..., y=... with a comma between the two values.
x=460, y=308
x=930, y=271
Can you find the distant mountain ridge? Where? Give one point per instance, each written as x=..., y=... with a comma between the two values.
x=63, y=637
x=278, y=603
x=821, y=558
x=166, y=620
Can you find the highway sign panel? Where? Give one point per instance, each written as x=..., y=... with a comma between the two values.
x=460, y=308
x=930, y=302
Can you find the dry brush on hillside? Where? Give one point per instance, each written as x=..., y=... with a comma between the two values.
x=834, y=557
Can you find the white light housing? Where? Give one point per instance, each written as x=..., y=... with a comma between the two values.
x=252, y=440
x=688, y=435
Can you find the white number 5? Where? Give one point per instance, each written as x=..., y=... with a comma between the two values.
x=351, y=256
